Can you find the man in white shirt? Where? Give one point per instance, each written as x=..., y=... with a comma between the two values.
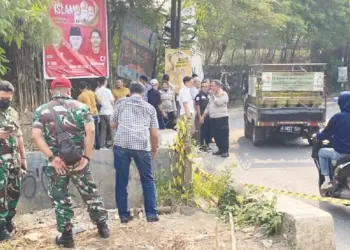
x=196, y=86
x=187, y=102
x=107, y=101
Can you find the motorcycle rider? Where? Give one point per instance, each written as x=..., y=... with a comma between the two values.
x=338, y=132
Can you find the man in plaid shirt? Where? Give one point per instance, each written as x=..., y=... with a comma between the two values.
x=137, y=135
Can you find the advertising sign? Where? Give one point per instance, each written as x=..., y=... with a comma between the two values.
x=178, y=65
x=81, y=49
x=296, y=81
x=342, y=74
x=137, y=50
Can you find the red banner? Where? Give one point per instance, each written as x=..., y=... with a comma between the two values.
x=81, y=50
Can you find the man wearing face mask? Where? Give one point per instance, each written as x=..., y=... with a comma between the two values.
x=12, y=160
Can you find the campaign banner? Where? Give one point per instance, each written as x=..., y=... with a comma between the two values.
x=81, y=48
x=137, y=49
x=178, y=64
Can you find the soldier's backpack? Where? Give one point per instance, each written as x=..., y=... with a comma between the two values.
x=66, y=147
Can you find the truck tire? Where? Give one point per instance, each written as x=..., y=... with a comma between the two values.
x=247, y=128
x=258, y=136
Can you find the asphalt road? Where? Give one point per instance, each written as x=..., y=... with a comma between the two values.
x=284, y=165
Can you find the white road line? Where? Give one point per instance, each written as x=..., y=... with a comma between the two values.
x=283, y=161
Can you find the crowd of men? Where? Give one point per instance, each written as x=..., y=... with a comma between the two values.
x=66, y=131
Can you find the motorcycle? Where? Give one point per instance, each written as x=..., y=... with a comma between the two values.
x=339, y=173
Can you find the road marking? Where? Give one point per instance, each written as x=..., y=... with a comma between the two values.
x=282, y=161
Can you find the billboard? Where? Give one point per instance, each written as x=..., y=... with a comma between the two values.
x=81, y=49
x=178, y=65
x=342, y=74
x=292, y=81
x=137, y=49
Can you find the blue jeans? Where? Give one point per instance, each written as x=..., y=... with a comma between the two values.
x=143, y=161
x=326, y=156
x=161, y=122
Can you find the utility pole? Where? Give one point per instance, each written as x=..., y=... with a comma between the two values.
x=178, y=25
x=175, y=23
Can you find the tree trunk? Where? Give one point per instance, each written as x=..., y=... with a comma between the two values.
x=220, y=53
x=27, y=77
x=233, y=56
x=208, y=55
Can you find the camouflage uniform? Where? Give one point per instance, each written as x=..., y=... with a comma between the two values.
x=73, y=121
x=10, y=172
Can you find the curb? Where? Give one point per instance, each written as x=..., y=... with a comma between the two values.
x=304, y=226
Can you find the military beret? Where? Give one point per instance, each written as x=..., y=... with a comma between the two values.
x=61, y=82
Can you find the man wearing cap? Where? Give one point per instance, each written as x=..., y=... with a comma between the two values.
x=75, y=119
x=154, y=98
x=12, y=160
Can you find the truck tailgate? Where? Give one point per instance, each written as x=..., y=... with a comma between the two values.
x=292, y=114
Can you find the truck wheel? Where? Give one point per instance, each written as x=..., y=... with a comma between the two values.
x=247, y=128
x=258, y=136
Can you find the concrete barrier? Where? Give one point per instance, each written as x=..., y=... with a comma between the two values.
x=34, y=195
x=305, y=226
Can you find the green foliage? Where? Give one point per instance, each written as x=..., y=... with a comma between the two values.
x=168, y=196
x=256, y=210
x=23, y=20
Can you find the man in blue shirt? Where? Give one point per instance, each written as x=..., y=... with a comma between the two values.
x=338, y=132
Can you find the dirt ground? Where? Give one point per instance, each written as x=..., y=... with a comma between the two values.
x=177, y=231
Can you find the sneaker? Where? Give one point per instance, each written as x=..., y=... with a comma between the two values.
x=225, y=155
x=326, y=186
x=104, y=149
x=203, y=148
x=103, y=230
x=127, y=220
x=153, y=219
x=219, y=152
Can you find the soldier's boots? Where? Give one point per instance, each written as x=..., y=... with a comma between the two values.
x=4, y=234
x=10, y=226
x=103, y=230
x=66, y=239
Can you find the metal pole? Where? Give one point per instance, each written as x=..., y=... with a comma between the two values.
x=173, y=24
x=178, y=25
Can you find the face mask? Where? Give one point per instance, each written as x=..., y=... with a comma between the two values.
x=4, y=104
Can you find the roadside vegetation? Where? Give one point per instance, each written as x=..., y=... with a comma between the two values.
x=213, y=193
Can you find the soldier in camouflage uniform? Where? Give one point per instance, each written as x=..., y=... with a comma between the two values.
x=77, y=121
x=12, y=157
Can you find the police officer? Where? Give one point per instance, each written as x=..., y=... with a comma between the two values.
x=12, y=157
x=75, y=119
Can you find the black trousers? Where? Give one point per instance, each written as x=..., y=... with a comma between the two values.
x=220, y=131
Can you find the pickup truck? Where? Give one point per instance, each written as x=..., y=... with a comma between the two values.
x=284, y=101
